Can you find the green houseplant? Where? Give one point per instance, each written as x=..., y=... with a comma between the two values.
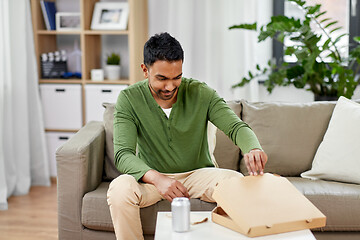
x=113, y=59
x=333, y=78
x=112, y=67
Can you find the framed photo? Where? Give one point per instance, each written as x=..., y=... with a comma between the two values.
x=67, y=21
x=110, y=16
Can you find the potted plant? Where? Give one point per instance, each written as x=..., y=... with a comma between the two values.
x=319, y=66
x=112, y=68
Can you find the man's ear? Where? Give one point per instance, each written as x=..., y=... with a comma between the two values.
x=145, y=70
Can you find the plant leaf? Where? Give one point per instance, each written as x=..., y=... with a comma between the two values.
x=335, y=29
x=289, y=51
x=294, y=72
x=245, y=26
x=298, y=2
x=339, y=37
x=332, y=55
x=242, y=83
x=320, y=14
x=311, y=40
x=301, y=53
x=330, y=24
x=313, y=9
x=264, y=35
x=325, y=19
x=283, y=23
x=280, y=37
x=357, y=39
x=326, y=44
x=304, y=29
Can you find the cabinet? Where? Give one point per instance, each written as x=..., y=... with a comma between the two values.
x=61, y=105
x=65, y=105
x=55, y=140
x=91, y=49
x=96, y=95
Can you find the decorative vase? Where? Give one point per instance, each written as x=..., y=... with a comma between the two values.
x=112, y=72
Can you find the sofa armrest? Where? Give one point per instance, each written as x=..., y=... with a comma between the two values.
x=79, y=170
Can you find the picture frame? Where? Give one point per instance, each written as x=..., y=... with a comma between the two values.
x=67, y=21
x=110, y=16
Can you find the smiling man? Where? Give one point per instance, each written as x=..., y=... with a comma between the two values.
x=166, y=117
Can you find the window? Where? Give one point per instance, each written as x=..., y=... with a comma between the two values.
x=346, y=12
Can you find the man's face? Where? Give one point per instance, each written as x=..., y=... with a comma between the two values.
x=164, y=78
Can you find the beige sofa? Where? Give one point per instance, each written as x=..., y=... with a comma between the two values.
x=289, y=133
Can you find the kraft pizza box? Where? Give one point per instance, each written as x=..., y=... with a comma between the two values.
x=263, y=205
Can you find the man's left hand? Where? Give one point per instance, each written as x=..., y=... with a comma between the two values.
x=255, y=161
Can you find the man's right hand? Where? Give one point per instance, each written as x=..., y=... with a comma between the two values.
x=168, y=188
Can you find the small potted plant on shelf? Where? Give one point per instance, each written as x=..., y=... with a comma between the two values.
x=319, y=66
x=112, y=68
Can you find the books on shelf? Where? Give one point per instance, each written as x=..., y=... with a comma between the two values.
x=49, y=10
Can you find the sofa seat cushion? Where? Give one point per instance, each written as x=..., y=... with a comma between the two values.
x=340, y=202
x=95, y=213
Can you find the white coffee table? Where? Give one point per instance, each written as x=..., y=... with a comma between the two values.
x=210, y=230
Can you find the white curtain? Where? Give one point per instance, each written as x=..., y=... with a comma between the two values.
x=23, y=156
x=214, y=54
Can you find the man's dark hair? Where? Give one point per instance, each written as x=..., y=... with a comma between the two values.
x=162, y=47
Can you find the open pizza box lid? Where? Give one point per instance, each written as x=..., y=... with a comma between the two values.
x=263, y=205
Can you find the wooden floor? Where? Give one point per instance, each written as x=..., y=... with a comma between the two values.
x=33, y=216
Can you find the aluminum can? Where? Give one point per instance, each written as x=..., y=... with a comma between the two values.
x=180, y=209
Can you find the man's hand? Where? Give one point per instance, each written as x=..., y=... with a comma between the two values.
x=255, y=161
x=167, y=187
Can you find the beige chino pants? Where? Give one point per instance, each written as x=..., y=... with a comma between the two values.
x=126, y=196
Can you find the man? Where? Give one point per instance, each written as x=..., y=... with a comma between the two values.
x=166, y=117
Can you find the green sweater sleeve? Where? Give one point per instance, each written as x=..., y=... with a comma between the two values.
x=227, y=121
x=125, y=139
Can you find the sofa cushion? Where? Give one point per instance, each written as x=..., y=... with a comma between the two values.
x=289, y=133
x=110, y=171
x=337, y=157
x=339, y=202
x=95, y=213
x=226, y=152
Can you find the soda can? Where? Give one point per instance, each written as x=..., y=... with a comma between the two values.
x=180, y=209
